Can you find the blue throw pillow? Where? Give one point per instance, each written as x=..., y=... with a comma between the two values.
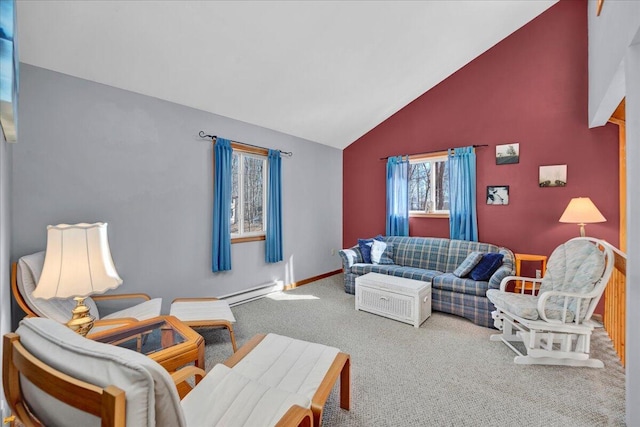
x=468, y=264
x=365, y=248
x=486, y=267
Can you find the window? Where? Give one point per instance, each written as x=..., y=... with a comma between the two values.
x=428, y=185
x=248, y=196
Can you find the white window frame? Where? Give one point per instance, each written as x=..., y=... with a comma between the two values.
x=242, y=236
x=430, y=158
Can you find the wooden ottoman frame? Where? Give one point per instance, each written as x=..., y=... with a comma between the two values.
x=208, y=323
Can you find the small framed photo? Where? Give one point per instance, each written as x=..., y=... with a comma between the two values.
x=498, y=195
x=553, y=176
x=508, y=154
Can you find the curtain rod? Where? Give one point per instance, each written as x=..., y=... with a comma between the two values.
x=201, y=134
x=434, y=151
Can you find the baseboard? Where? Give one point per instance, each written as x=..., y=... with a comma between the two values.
x=311, y=279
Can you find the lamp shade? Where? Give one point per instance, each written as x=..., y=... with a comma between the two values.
x=77, y=262
x=581, y=210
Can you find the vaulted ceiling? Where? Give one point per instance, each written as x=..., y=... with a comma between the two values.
x=326, y=71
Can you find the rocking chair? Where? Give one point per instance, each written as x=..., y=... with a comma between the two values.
x=554, y=321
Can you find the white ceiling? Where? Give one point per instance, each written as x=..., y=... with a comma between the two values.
x=326, y=71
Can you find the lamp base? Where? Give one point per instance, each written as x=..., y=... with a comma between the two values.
x=81, y=321
x=582, y=230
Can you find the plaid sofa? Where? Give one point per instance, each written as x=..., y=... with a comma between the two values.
x=434, y=260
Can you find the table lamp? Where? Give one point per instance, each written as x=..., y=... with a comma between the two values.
x=582, y=211
x=77, y=264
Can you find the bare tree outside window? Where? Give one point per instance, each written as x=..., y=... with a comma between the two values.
x=253, y=194
x=247, y=194
x=429, y=185
x=419, y=185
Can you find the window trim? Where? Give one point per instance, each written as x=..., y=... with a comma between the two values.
x=254, y=152
x=423, y=158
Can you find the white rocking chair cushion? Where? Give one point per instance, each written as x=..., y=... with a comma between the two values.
x=574, y=267
x=29, y=271
x=227, y=398
x=288, y=364
x=526, y=306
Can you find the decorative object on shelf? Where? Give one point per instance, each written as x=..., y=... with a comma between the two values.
x=553, y=176
x=581, y=211
x=77, y=264
x=508, y=154
x=498, y=195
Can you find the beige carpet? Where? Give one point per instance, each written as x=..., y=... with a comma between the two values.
x=446, y=373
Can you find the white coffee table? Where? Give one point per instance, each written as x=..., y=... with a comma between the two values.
x=398, y=298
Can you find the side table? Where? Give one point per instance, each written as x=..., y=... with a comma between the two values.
x=529, y=286
x=164, y=339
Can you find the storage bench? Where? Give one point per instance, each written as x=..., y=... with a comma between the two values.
x=398, y=298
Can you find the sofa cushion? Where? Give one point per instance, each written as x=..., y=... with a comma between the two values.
x=396, y=270
x=420, y=252
x=486, y=267
x=449, y=282
x=468, y=264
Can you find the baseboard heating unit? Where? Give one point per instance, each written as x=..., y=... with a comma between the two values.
x=252, y=294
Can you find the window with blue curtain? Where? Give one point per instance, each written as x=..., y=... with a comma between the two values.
x=463, y=222
x=397, y=196
x=221, y=239
x=247, y=201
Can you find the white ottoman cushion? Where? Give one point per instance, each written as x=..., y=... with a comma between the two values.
x=193, y=311
x=288, y=364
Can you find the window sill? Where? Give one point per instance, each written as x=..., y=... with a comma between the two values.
x=428, y=215
x=248, y=239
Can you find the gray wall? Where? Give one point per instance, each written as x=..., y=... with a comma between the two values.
x=90, y=152
x=5, y=237
x=632, y=349
x=614, y=72
x=609, y=36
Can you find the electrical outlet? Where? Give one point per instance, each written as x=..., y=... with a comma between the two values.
x=538, y=274
x=333, y=252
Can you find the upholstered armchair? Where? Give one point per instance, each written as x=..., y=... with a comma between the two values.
x=553, y=322
x=24, y=278
x=100, y=384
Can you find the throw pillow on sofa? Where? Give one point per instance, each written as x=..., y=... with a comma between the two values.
x=486, y=267
x=365, y=248
x=381, y=253
x=468, y=264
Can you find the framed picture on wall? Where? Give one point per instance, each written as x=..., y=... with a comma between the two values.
x=498, y=195
x=553, y=176
x=8, y=71
x=508, y=154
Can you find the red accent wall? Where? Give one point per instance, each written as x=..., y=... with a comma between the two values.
x=531, y=88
